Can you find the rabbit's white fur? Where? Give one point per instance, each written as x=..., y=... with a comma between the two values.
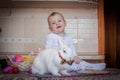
x=48, y=61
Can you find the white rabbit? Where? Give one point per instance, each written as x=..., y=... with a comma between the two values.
x=54, y=61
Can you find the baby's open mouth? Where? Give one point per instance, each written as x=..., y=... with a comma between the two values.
x=58, y=27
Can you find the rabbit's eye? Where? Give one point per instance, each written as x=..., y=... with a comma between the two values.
x=64, y=51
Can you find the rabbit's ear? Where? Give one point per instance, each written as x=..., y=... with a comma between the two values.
x=61, y=43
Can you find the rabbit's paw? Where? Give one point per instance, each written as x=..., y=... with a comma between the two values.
x=56, y=74
x=64, y=72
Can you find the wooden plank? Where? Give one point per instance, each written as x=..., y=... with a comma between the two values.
x=101, y=32
x=50, y=4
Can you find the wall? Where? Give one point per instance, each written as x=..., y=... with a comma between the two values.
x=25, y=29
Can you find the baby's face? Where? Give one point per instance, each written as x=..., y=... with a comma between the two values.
x=57, y=24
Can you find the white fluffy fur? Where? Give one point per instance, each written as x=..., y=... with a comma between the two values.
x=48, y=61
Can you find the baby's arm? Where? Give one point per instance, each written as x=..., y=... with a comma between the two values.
x=72, y=46
x=76, y=58
x=51, y=42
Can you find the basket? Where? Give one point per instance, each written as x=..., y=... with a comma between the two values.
x=23, y=66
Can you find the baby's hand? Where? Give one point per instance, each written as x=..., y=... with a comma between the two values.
x=76, y=59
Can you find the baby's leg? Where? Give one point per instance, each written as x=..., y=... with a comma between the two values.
x=93, y=66
x=83, y=65
x=75, y=67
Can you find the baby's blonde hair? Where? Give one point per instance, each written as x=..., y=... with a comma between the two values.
x=53, y=14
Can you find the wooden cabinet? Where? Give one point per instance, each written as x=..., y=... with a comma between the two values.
x=5, y=7
x=101, y=31
x=5, y=3
x=112, y=33
x=52, y=3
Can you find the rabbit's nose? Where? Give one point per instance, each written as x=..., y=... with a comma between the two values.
x=70, y=58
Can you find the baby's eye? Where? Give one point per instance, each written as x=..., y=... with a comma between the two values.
x=59, y=21
x=53, y=23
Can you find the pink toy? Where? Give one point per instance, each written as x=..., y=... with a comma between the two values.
x=13, y=59
x=15, y=70
x=18, y=58
x=8, y=70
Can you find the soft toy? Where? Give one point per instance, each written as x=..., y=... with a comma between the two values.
x=18, y=58
x=28, y=58
x=15, y=70
x=8, y=70
x=54, y=61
